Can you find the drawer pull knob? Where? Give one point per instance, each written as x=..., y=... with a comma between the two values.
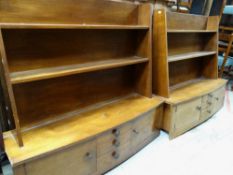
x=217, y=98
x=135, y=131
x=199, y=108
x=209, y=103
x=210, y=95
x=115, y=155
x=116, y=142
x=209, y=111
x=89, y=155
x=116, y=132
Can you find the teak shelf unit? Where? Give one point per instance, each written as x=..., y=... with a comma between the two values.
x=60, y=68
x=78, y=80
x=185, y=49
x=185, y=69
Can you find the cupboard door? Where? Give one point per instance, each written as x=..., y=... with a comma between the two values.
x=206, y=107
x=143, y=128
x=186, y=116
x=113, y=157
x=218, y=99
x=77, y=160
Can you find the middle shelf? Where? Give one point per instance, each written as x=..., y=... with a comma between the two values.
x=58, y=71
x=190, y=55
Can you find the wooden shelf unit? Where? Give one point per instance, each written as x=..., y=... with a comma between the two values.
x=184, y=49
x=185, y=69
x=53, y=66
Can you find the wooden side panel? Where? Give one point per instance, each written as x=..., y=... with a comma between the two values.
x=144, y=46
x=68, y=11
x=160, y=53
x=43, y=100
x=10, y=92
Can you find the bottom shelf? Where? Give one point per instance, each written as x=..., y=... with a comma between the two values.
x=42, y=140
x=194, y=89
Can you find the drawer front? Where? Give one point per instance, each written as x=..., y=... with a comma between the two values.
x=78, y=160
x=187, y=116
x=113, y=158
x=113, y=139
x=143, y=128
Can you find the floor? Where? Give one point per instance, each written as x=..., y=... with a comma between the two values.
x=205, y=150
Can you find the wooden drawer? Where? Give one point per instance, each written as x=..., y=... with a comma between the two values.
x=113, y=158
x=78, y=160
x=186, y=116
x=143, y=128
x=113, y=139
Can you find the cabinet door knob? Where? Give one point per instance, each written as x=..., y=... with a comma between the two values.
x=116, y=132
x=210, y=95
x=217, y=98
x=209, y=103
x=199, y=108
x=135, y=131
x=116, y=142
x=209, y=111
x=115, y=155
x=89, y=155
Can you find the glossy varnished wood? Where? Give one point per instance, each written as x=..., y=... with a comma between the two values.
x=72, y=57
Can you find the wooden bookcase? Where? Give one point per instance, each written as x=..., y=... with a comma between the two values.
x=74, y=71
x=185, y=66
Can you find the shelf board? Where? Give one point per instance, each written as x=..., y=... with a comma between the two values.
x=190, y=55
x=193, y=89
x=191, y=31
x=68, y=26
x=46, y=73
x=79, y=128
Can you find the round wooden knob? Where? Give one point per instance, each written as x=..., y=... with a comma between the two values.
x=116, y=132
x=209, y=103
x=115, y=155
x=135, y=131
x=116, y=142
x=89, y=155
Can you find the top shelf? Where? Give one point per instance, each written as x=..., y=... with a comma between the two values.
x=68, y=26
x=191, y=31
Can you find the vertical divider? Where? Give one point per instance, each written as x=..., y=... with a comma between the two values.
x=4, y=66
x=160, y=54
x=144, y=71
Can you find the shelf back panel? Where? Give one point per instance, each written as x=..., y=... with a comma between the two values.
x=191, y=70
x=181, y=43
x=180, y=21
x=46, y=99
x=68, y=11
x=35, y=49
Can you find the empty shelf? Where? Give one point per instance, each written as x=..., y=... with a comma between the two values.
x=190, y=55
x=68, y=26
x=190, y=31
x=52, y=72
